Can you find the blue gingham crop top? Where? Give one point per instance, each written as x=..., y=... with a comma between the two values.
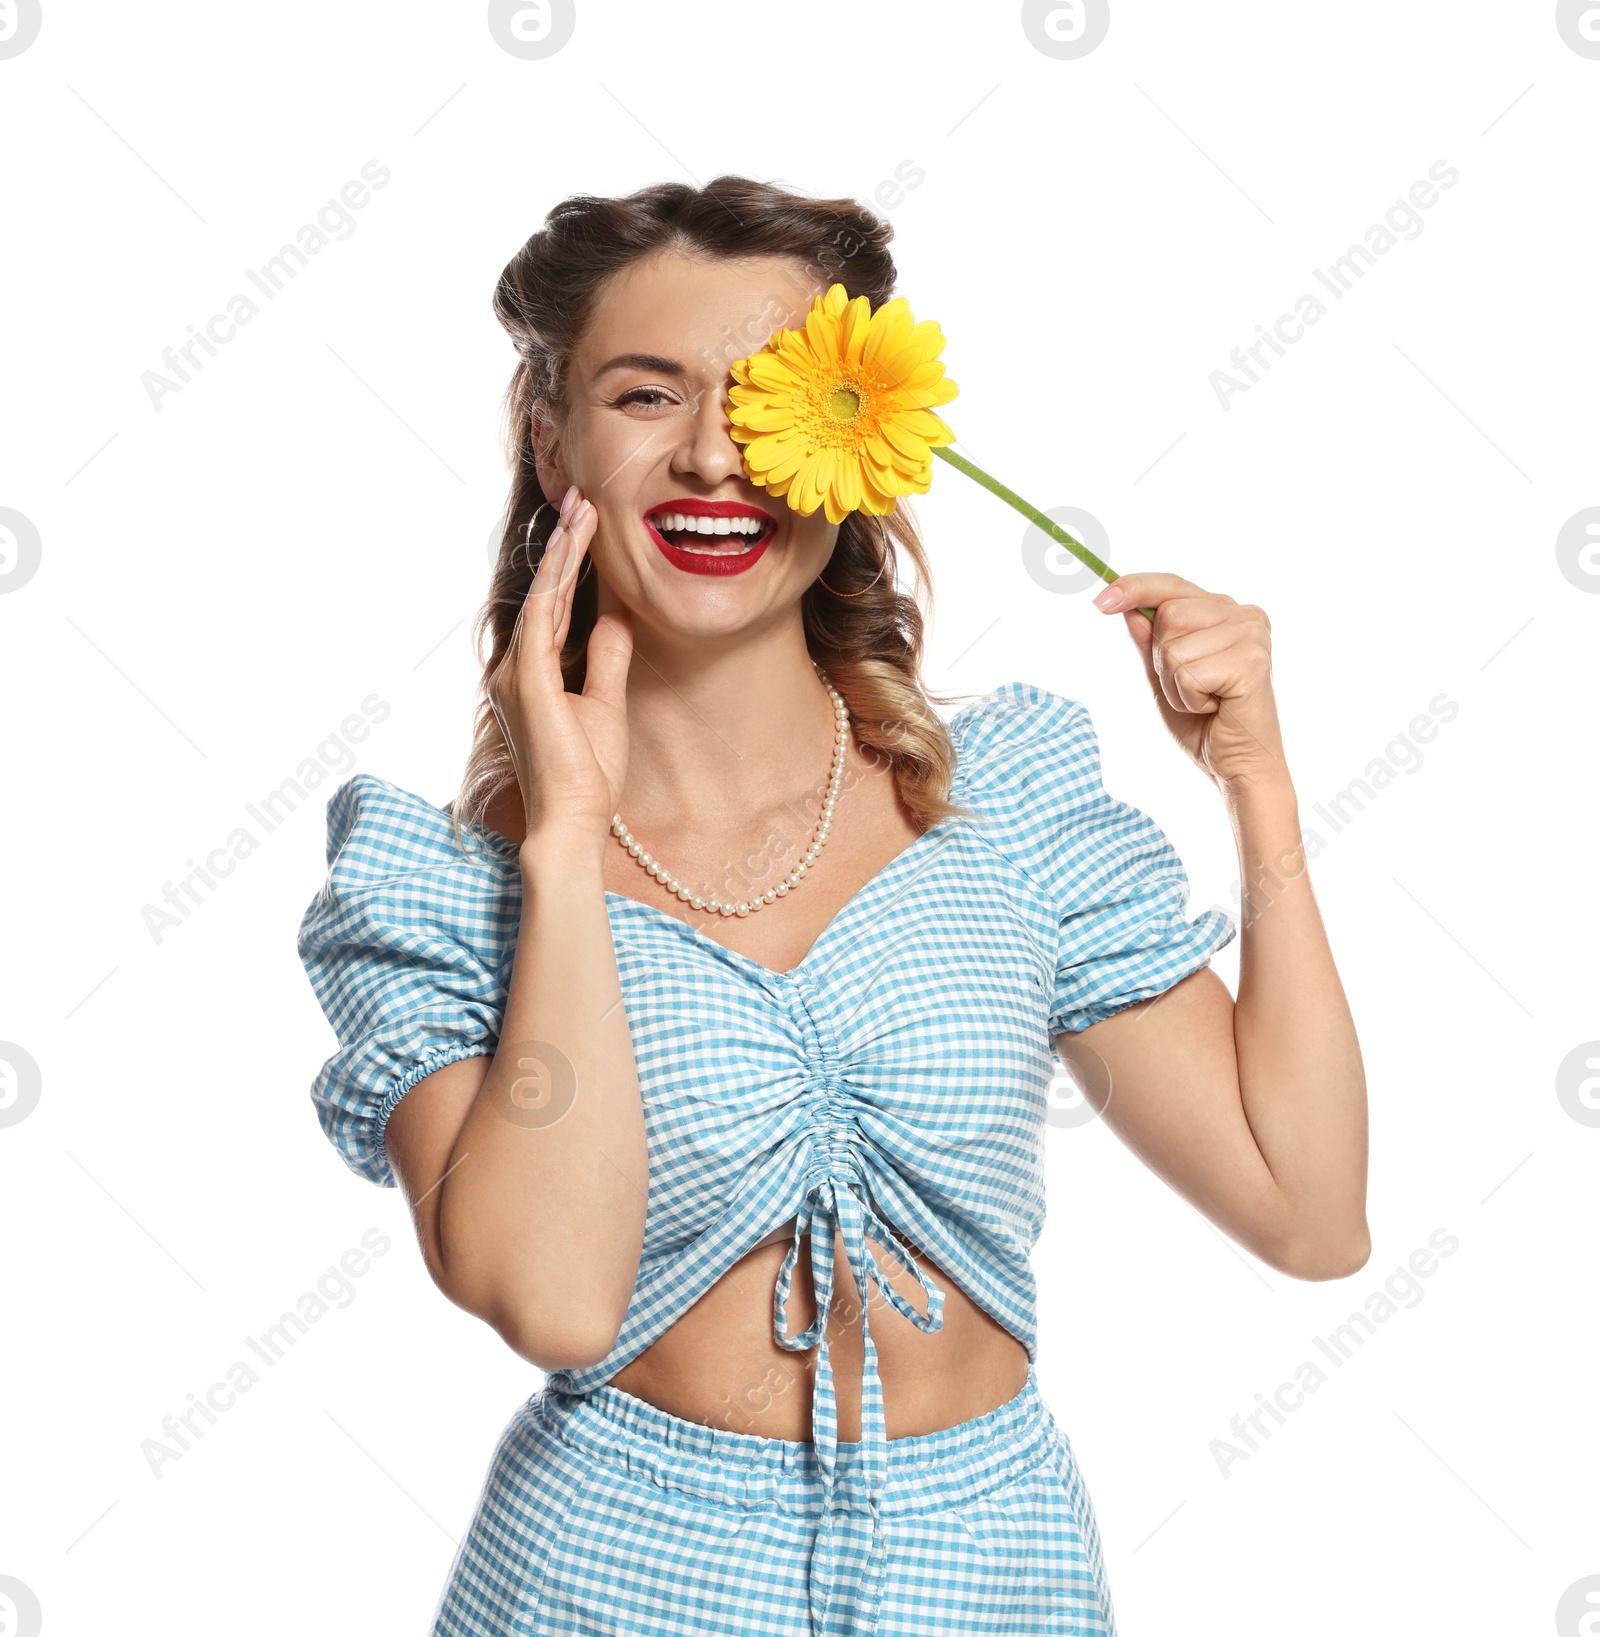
x=897, y=1077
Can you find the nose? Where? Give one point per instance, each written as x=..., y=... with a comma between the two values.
x=706, y=451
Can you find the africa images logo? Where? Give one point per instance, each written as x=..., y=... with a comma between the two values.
x=1402, y=220
x=333, y=221
x=1247, y=1433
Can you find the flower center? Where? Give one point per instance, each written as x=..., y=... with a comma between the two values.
x=843, y=403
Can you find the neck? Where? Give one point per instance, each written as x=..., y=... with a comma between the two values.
x=725, y=735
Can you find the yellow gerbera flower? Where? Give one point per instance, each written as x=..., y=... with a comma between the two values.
x=838, y=413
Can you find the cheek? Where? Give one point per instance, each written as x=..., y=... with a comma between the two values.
x=606, y=447
x=814, y=536
x=595, y=451
x=620, y=535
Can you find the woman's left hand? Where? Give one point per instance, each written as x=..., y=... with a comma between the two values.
x=1209, y=661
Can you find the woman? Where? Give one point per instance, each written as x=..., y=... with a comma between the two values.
x=742, y=1147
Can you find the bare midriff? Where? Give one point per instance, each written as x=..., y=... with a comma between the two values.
x=719, y=1364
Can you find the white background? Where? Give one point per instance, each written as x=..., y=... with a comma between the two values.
x=225, y=579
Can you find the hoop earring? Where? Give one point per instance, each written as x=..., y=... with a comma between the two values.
x=883, y=563
x=524, y=535
x=527, y=536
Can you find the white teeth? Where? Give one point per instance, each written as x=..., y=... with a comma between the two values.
x=699, y=523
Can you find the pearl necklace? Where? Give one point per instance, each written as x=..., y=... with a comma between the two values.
x=841, y=743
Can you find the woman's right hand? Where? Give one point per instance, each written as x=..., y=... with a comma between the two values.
x=570, y=750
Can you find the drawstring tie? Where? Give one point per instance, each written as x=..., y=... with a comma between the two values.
x=846, y=1571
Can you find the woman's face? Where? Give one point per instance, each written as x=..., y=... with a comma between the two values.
x=684, y=539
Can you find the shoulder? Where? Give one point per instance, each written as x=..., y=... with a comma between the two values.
x=399, y=885
x=1028, y=768
x=1023, y=744
x=376, y=830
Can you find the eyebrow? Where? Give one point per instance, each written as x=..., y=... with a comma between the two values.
x=642, y=360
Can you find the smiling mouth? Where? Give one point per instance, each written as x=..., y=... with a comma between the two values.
x=705, y=535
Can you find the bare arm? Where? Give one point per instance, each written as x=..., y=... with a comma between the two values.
x=527, y=1172
x=1254, y=1110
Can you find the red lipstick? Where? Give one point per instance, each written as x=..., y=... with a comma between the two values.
x=718, y=537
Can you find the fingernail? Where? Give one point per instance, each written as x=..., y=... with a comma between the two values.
x=568, y=498
x=1109, y=598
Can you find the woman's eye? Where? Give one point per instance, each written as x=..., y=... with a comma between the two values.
x=648, y=397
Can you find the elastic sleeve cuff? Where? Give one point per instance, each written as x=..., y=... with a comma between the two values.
x=1110, y=984
x=379, y=1169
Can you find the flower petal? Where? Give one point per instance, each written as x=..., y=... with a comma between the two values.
x=772, y=373
x=854, y=329
x=788, y=463
x=927, y=338
x=891, y=331
x=847, y=483
x=822, y=331
x=765, y=416
x=902, y=437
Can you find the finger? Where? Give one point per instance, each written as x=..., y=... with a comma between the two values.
x=1206, y=676
x=1190, y=688
x=514, y=644
x=581, y=525
x=1193, y=666
x=547, y=573
x=571, y=571
x=610, y=654
x=1182, y=614
x=533, y=650
x=1143, y=633
x=581, y=522
x=1165, y=683
x=1162, y=667
x=1196, y=647
x=1144, y=591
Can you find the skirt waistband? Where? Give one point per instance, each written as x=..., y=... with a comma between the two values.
x=927, y=1471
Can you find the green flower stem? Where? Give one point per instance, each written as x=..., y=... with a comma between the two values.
x=1036, y=517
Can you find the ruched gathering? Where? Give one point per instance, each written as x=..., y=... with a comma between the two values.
x=892, y=1085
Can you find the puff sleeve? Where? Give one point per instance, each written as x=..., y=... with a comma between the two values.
x=407, y=946
x=1116, y=889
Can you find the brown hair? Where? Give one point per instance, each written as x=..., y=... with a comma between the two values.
x=859, y=626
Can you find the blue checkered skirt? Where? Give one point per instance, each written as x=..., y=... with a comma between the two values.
x=603, y=1514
